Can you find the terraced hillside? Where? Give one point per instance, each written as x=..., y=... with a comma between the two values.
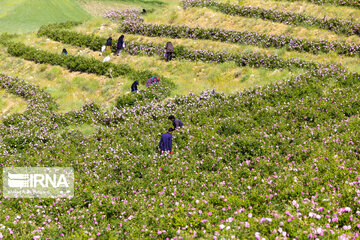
x=269, y=95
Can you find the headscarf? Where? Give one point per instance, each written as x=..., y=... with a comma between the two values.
x=156, y=79
x=109, y=41
x=134, y=85
x=120, y=42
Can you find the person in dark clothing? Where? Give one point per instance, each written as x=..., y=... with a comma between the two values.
x=108, y=45
x=166, y=141
x=64, y=51
x=109, y=42
x=134, y=86
x=169, y=50
x=176, y=122
x=120, y=45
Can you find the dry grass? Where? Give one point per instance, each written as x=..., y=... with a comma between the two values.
x=303, y=7
x=10, y=103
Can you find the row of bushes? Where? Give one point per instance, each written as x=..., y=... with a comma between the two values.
x=58, y=33
x=86, y=65
x=287, y=17
x=348, y=3
x=73, y=63
x=40, y=108
x=249, y=58
x=244, y=37
x=22, y=89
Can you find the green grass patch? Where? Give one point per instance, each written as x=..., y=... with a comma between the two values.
x=85, y=84
x=53, y=73
x=25, y=16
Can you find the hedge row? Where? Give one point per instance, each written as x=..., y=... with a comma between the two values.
x=244, y=37
x=347, y=3
x=288, y=17
x=251, y=59
x=28, y=92
x=78, y=63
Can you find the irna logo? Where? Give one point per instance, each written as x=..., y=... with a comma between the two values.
x=38, y=182
x=35, y=180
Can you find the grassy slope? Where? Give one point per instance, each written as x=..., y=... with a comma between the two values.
x=10, y=104
x=8, y=6
x=205, y=18
x=25, y=16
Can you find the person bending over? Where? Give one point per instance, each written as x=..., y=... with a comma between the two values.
x=176, y=122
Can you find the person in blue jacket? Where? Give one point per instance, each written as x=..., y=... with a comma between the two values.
x=166, y=141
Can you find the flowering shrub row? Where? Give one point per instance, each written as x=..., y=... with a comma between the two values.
x=127, y=15
x=251, y=59
x=348, y=3
x=73, y=63
x=30, y=93
x=288, y=17
x=39, y=109
x=245, y=37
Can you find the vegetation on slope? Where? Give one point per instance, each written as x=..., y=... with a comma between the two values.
x=280, y=161
x=24, y=16
x=232, y=151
